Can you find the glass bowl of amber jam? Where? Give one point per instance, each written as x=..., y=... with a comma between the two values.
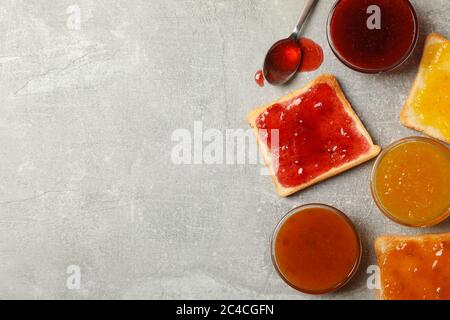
x=316, y=249
x=372, y=36
x=410, y=182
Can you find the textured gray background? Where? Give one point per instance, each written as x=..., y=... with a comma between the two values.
x=86, y=118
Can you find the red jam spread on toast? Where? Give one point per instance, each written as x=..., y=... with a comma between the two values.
x=316, y=134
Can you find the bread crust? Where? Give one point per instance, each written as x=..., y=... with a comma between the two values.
x=384, y=244
x=408, y=117
x=332, y=82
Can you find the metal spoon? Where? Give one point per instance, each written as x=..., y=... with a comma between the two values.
x=283, y=58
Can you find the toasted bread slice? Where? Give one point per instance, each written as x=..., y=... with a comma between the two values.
x=428, y=106
x=361, y=135
x=414, y=267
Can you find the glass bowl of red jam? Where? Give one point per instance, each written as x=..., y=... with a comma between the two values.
x=373, y=36
x=316, y=249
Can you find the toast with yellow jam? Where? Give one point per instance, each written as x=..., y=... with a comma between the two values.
x=428, y=106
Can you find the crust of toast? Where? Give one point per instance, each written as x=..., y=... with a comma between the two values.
x=384, y=244
x=330, y=80
x=408, y=117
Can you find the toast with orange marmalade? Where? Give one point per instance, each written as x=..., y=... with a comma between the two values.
x=414, y=267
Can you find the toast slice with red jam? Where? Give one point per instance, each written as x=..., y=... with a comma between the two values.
x=310, y=135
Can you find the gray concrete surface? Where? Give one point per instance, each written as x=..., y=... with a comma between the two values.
x=86, y=118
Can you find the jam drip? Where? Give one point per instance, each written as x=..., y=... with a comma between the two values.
x=312, y=55
x=316, y=134
x=259, y=78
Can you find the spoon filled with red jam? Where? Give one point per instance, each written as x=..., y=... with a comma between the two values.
x=284, y=58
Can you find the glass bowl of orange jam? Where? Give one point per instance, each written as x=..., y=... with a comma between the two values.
x=410, y=182
x=316, y=249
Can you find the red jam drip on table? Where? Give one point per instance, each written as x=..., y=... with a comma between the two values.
x=259, y=78
x=373, y=49
x=312, y=55
x=316, y=134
